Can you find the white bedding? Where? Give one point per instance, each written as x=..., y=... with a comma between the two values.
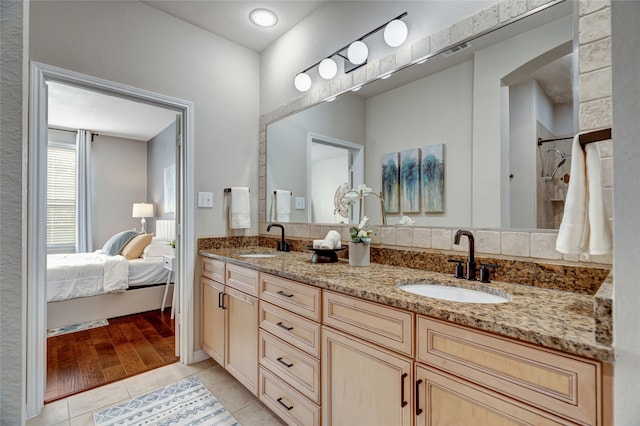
x=75, y=275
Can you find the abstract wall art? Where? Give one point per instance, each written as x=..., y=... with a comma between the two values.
x=432, y=171
x=410, y=180
x=391, y=182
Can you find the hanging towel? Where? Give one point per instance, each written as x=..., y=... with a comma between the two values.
x=281, y=206
x=584, y=227
x=240, y=208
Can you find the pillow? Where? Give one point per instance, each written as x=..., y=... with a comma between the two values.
x=116, y=243
x=157, y=249
x=134, y=248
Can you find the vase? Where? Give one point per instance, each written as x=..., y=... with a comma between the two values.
x=359, y=254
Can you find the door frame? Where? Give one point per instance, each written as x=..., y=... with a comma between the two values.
x=36, y=312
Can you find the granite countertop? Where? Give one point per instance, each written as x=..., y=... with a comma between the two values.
x=554, y=319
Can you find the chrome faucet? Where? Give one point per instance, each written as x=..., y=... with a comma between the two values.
x=282, y=245
x=471, y=262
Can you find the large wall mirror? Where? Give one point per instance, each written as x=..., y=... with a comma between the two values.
x=487, y=104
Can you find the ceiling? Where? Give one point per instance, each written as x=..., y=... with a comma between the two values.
x=230, y=19
x=70, y=107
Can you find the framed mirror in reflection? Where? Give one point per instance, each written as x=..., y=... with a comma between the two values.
x=487, y=104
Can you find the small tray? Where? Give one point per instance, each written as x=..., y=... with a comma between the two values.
x=324, y=255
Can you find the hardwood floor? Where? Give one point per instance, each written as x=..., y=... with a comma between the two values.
x=127, y=346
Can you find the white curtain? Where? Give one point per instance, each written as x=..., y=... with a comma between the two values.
x=84, y=239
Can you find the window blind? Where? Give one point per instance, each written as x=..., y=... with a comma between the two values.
x=61, y=197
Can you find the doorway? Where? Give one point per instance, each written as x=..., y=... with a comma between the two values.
x=41, y=75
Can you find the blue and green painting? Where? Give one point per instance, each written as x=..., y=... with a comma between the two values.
x=391, y=182
x=433, y=178
x=410, y=180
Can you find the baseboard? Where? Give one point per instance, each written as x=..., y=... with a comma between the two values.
x=200, y=355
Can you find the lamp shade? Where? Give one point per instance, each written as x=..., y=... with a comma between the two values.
x=142, y=210
x=302, y=82
x=357, y=52
x=395, y=33
x=328, y=68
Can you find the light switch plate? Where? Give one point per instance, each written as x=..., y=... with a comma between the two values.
x=299, y=203
x=205, y=199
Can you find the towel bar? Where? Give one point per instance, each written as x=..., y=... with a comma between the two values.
x=228, y=191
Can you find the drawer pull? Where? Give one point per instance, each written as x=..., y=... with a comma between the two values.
x=281, y=325
x=283, y=362
x=282, y=293
x=418, y=409
x=221, y=300
x=403, y=403
x=289, y=408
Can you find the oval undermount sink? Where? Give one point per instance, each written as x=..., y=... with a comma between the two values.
x=259, y=255
x=453, y=294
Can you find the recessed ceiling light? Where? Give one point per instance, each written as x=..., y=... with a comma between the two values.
x=263, y=18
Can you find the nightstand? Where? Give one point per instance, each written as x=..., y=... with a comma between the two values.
x=168, y=263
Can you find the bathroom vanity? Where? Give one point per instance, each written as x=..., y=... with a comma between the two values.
x=331, y=344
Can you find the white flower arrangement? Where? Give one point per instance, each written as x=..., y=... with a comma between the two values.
x=361, y=234
x=406, y=221
x=358, y=194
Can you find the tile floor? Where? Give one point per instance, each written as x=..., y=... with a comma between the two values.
x=77, y=410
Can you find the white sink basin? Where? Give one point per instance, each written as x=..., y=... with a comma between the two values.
x=258, y=255
x=453, y=294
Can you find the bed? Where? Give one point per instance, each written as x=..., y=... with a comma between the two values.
x=89, y=286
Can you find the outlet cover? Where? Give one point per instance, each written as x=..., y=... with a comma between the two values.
x=205, y=200
x=299, y=203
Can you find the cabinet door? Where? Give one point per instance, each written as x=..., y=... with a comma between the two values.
x=363, y=384
x=212, y=326
x=242, y=338
x=445, y=400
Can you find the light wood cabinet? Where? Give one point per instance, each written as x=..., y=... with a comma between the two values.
x=364, y=384
x=229, y=323
x=561, y=384
x=446, y=400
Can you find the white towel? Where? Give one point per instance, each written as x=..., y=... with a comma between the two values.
x=331, y=241
x=240, y=208
x=281, y=206
x=584, y=227
x=317, y=243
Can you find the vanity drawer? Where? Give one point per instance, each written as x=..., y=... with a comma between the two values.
x=382, y=325
x=300, y=332
x=213, y=269
x=243, y=279
x=562, y=384
x=286, y=402
x=295, y=367
x=300, y=298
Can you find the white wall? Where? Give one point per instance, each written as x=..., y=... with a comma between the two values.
x=135, y=44
x=433, y=110
x=625, y=39
x=491, y=65
x=119, y=179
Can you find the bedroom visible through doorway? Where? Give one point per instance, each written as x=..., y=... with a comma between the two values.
x=120, y=157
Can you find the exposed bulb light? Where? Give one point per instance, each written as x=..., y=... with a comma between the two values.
x=395, y=33
x=357, y=52
x=355, y=89
x=264, y=18
x=302, y=82
x=328, y=68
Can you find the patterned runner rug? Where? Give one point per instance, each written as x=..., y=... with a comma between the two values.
x=187, y=402
x=76, y=327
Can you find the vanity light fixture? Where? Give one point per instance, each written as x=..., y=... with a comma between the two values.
x=264, y=18
x=355, y=54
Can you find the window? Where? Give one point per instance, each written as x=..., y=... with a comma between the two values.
x=61, y=197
